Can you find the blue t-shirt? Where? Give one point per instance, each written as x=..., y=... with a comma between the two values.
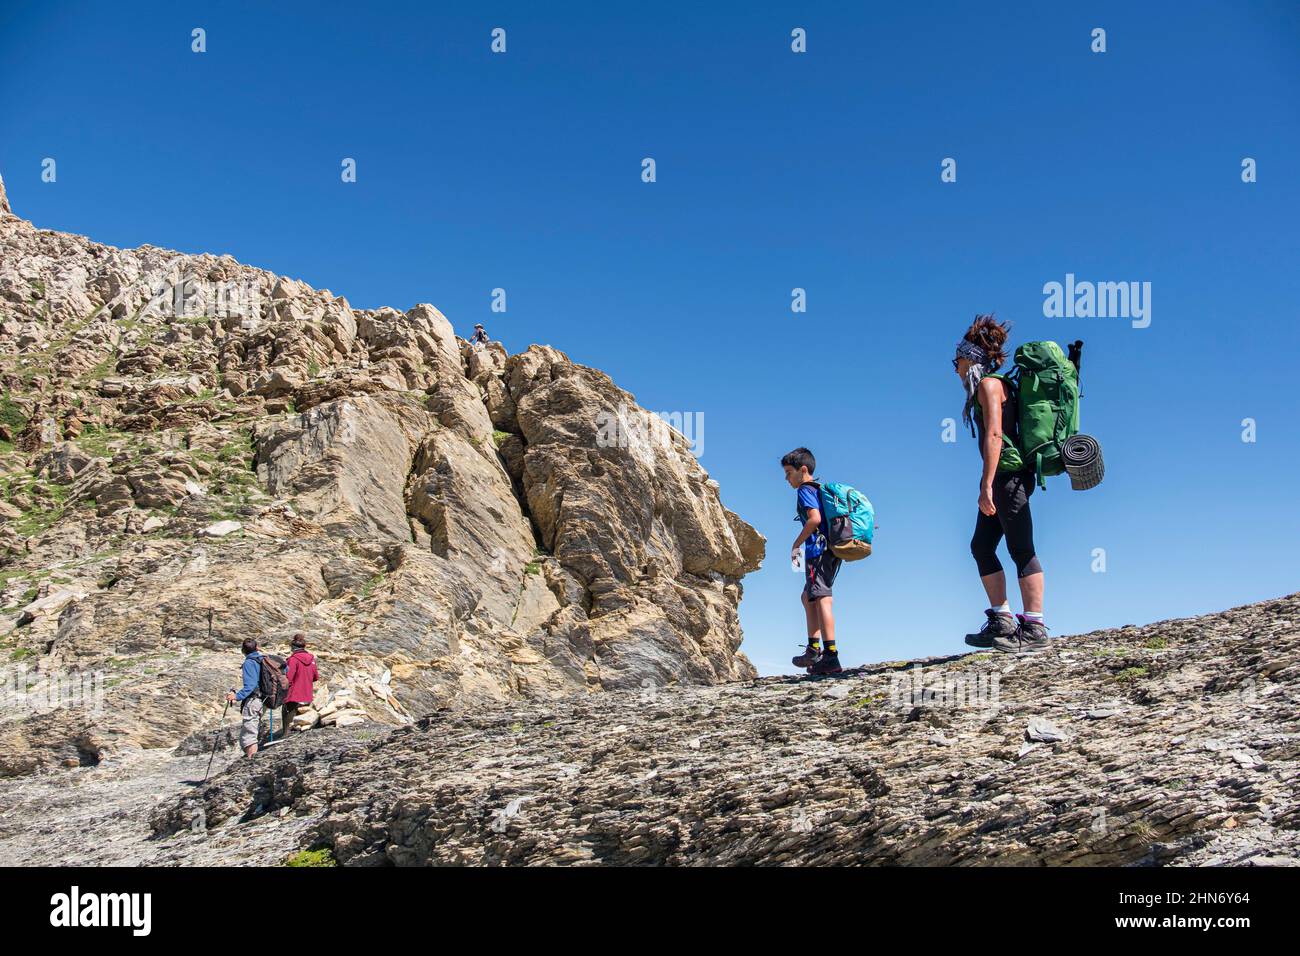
x=810, y=500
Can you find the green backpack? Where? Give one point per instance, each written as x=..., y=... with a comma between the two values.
x=1045, y=386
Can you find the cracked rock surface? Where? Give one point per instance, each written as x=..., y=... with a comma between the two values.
x=1177, y=743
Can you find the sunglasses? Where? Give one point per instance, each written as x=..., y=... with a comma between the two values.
x=954, y=364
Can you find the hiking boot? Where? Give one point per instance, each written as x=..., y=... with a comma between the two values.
x=997, y=625
x=1029, y=636
x=810, y=656
x=828, y=663
x=1033, y=634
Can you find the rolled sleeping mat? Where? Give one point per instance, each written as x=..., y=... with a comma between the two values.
x=1081, y=456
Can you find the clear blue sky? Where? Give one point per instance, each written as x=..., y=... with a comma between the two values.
x=775, y=170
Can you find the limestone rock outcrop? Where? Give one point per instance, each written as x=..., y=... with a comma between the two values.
x=194, y=451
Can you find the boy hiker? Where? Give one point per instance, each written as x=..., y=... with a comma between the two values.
x=302, y=675
x=821, y=656
x=250, y=697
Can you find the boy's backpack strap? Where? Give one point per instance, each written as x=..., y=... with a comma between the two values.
x=815, y=484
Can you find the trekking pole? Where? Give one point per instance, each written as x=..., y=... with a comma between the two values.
x=216, y=740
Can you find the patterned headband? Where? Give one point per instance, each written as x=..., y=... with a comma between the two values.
x=969, y=350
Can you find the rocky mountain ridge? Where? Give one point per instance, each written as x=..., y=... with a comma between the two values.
x=1177, y=743
x=194, y=451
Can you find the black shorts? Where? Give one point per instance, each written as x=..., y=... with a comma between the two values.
x=819, y=575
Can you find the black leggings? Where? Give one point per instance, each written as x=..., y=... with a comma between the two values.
x=1011, y=491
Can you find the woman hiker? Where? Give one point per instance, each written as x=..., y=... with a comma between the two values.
x=302, y=674
x=1005, y=489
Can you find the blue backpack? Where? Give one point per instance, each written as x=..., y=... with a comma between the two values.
x=850, y=521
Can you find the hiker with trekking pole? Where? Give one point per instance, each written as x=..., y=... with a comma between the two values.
x=1027, y=423
x=265, y=687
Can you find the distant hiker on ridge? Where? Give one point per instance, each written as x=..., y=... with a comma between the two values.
x=302, y=675
x=820, y=566
x=1006, y=485
x=480, y=337
x=250, y=697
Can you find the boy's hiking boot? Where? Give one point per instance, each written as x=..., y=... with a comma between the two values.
x=828, y=663
x=998, y=625
x=1030, y=636
x=810, y=656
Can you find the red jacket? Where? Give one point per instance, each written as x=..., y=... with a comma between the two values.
x=302, y=674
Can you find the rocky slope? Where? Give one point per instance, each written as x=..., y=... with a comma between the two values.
x=1175, y=743
x=194, y=451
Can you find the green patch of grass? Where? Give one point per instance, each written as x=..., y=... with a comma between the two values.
x=517, y=728
x=11, y=415
x=7, y=576
x=239, y=478
x=1156, y=644
x=99, y=441
x=22, y=653
x=1110, y=651
x=31, y=368
x=533, y=567
x=44, y=517
x=498, y=437
x=369, y=587
x=107, y=364
x=1130, y=674
x=321, y=857
x=233, y=451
